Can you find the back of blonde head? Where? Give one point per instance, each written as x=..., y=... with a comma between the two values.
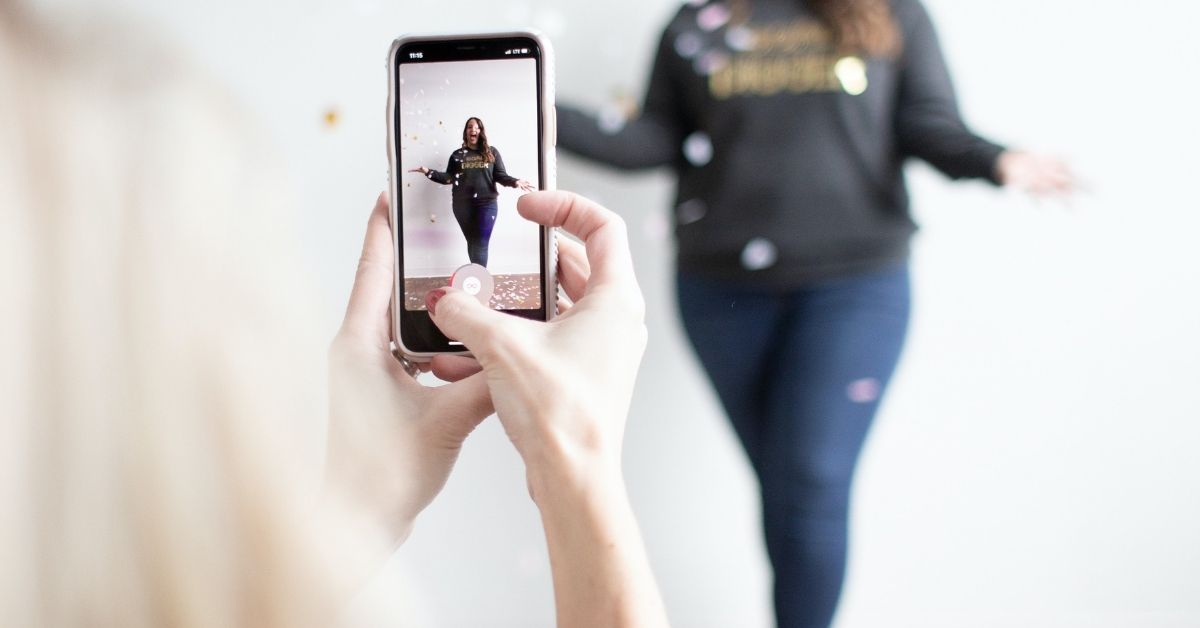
x=157, y=368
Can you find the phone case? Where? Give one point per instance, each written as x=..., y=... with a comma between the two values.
x=550, y=167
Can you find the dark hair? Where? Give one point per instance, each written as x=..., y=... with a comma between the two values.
x=860, y=26
x=484, y=148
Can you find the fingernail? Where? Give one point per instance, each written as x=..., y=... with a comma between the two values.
x=432, y=297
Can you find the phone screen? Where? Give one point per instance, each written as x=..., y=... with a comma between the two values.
x=468, y=124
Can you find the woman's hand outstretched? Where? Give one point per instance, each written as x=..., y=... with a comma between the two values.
x=1036, y=173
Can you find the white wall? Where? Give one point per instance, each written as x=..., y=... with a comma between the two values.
x=1034, y=462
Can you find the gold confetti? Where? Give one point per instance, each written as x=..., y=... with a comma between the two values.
x=331, y=117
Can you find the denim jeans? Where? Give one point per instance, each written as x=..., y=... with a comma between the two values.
x=476, y=218
x=800, y=374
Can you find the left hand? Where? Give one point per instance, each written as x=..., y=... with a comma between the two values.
x=1036, y=173
x=392, y=441
x=525, y=186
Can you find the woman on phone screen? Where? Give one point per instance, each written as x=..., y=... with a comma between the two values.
x=788, y=123
x=474, y=170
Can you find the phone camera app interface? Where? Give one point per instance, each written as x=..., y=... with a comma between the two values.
x=468, y=149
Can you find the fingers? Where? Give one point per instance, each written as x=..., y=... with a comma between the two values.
x=573, y=268
x=603, y=234
x=452, y=368
x=367, y=312
x=463, y=318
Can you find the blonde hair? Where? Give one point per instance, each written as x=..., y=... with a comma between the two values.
x=159, y=429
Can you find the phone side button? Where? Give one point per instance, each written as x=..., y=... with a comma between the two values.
x=554, y=126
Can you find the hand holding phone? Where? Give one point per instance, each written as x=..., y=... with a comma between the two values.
x=562, y=390
x=392, y=441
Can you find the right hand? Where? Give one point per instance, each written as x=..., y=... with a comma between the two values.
x=420, y=169
x=1036, y=173
x=561, y=389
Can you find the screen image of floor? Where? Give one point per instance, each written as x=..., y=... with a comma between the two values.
x=513, y=292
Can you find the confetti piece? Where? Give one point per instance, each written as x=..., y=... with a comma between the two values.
x=713, y=16
x=864, y=390
x=688, y=44
x=690, y=211
x=331, y=117
x=852, y=74
x=740, y=38
x=758, y=254
x=698, y=148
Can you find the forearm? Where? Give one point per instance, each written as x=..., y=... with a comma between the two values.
x=436, y=176
x=602, y=576
x=643, y=142
x=948, y=145
x=928, y=122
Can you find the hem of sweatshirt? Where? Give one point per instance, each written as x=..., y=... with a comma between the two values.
x=788, y=275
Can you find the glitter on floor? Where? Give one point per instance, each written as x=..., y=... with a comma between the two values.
x=513, y=292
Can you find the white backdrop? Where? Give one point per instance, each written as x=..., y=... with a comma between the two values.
x=1034, y=464
x=440, y=97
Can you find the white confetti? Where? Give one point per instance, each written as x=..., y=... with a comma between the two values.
x=713, y=16
x=758, y=254
x=688, y=44
x=611, y=119
x=852, y=74
x=698, y=148
x=690, y=211
x=740, y=38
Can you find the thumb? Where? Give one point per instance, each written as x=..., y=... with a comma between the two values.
x=463, y=318
x=462, y=405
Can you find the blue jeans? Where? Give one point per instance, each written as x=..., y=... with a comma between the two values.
x=800, y=374
x=476, y=218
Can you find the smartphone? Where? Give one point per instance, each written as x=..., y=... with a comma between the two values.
x=471, y=126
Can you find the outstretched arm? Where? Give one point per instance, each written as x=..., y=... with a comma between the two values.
x=501, y=176
x=928, y=123
x=650, y=139
x=453, y=167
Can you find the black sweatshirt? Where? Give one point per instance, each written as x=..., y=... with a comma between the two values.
x=789, y=155
x=474, y=178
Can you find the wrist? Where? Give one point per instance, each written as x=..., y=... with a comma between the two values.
x=1003, y=170
x=560, y=470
